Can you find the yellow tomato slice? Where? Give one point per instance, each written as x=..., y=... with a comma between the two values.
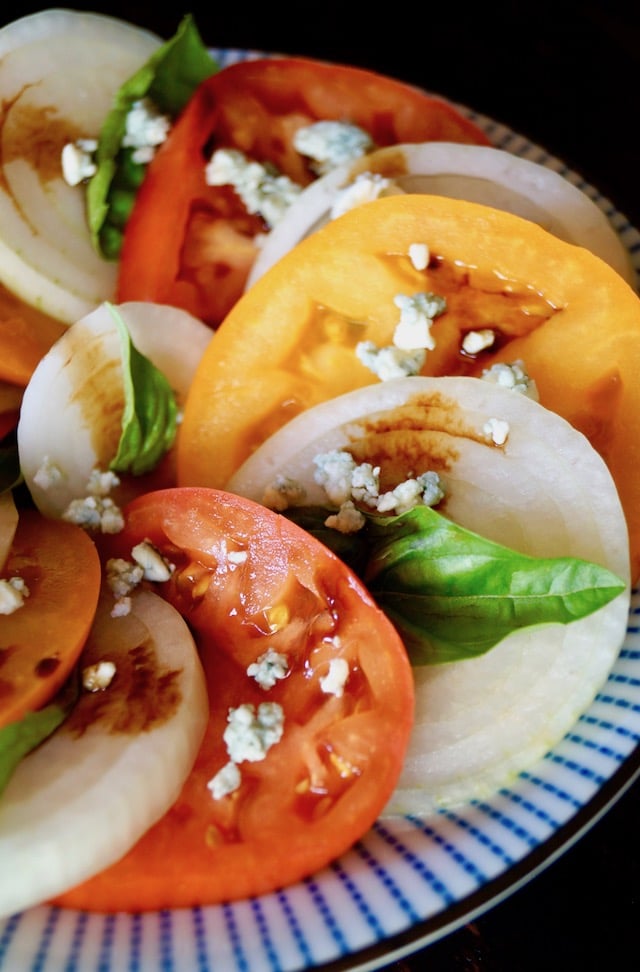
x=290, y=342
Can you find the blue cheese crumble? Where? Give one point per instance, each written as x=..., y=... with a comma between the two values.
x=96, y=511
x=412, y=337
x=344, y=480
x=476, y=341
x=497, y=430
x=334, y=681
x=78, y=160
x=365, y=188
x=417, y=314
x=13, y=592
x=390, y=362
x=98, y=677
x=249, y=735
x=123, y=576
x=512, y=376
x=419, y=255
x=283, y=493
x=146, y=128
x=331, y=143
x=252, y=731
x=269, y=668
x=262, y=189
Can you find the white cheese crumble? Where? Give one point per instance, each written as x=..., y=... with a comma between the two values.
x=334, y=681
x=261, y=188
x=226, y=781
x=101, y=482
x=334, y=472
x=269, y=668
x=123, y=576
x=365, y=188
x=78, y=160
x=48, y=474
x=347, y=520
x=155, y=567
x=251, y=731
x=95, y=513
x=419, y=256
x=412, y=338
x=417, y=314
x=146, y=129
x=331, y=143
x=512, y=376
x=344, y=480
x=390, y=362
x=475, y=341
x=98, y=677
x=13, y=592
x=424, y=490
x=283, y=493
x=497, y=430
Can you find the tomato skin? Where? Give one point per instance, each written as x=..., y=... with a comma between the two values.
x=327, y=780
x=192, y=245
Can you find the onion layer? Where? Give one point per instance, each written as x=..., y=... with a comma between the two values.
x=59, y=71
x=476, y=173
x=72, y=407
x=545, y=492
x=82, y=799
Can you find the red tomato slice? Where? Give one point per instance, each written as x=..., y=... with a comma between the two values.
x=41, y=641
x=192, y=245
x=328, y=778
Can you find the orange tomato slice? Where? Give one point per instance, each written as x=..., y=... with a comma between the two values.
x=290, y=342
x=40, y=641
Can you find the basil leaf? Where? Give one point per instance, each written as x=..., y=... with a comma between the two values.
x=453, y=594
x=19, y=738
x=149, y=419
x=168, y=78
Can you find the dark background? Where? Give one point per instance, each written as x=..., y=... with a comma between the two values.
x=566, y=76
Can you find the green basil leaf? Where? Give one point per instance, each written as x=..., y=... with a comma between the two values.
x=168, y=78
x=453, y=594
x=149, y=419
x=19, y=738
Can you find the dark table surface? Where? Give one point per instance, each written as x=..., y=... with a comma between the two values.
x=565, y=75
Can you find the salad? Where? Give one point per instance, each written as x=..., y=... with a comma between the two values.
x=285, y=646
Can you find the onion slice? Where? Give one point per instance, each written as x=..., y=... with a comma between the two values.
x=59, y=72
x=82, y=799
x=72, y=407
x=545, y=492
x=476, y=173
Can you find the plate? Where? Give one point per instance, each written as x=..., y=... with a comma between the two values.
x=409, y=881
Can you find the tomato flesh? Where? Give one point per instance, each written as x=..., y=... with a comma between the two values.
x=192, y=245
x=326, y=781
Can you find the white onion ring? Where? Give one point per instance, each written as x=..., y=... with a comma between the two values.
x=72, y=407
x=546, y=492
x=80, y=801
x=59, y=71
x=476, y=173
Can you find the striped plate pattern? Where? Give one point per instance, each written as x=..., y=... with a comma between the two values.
x=409, y=881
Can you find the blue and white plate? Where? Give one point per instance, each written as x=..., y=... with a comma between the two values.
x=409, y=881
